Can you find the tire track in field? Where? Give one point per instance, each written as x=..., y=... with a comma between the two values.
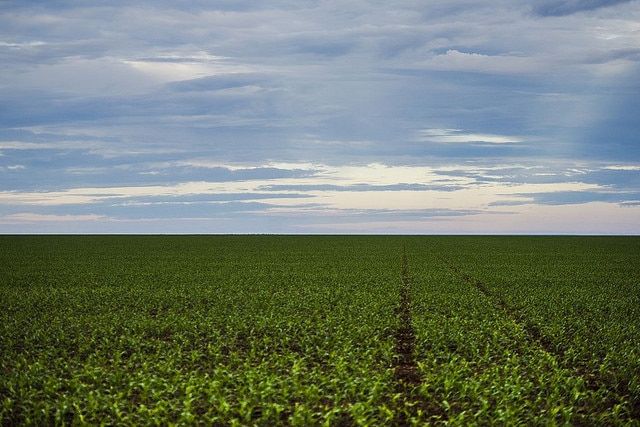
x=406, y=369
x=406, y=373
x=532, y=332
x=592, y=380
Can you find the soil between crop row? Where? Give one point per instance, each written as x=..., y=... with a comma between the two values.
x=406, y=373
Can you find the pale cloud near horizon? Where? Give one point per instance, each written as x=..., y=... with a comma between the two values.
x=28, y=217
x=531, y=219
x=374, y=186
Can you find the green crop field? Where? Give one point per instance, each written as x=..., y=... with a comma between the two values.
x=319, y=330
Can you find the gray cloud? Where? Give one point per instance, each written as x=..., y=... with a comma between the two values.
x=568, y=7
x=361, y=187
x=130, y=93
x=574, y=197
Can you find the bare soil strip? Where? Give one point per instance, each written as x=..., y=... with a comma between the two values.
x=406, y=369
x=406, y=373
x=592, y=380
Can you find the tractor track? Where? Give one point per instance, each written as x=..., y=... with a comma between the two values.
x=592, y=380
x=406, y=369
x=406, y=373
x=532, y=332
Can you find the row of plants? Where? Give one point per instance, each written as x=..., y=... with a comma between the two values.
x=304, y=330
x=578, y=296
x=234, y=331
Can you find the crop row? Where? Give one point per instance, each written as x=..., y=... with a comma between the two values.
x=242, y=330
x=144, y=333
x=578, y=296
x=479, y=365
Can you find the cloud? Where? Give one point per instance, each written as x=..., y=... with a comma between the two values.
x=89, y=195
x=457, y=136
x=568, y=7
x=12, y=168
x=58, y=145
x=320, y=189
x=623, y=167
x=454, y=60
x=573, y=197
x=220, y=82
x=209, y=164
x=185, y=66
x=23, y=217
x=275, y=115
x=361, y=187
x=89, y=76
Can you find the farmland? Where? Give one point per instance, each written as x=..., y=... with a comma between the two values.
x=313, y=330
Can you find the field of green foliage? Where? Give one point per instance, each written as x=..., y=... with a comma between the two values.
x=319, y=330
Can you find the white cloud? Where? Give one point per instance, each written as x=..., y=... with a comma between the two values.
x=22, y=45
x=12, y=168
x=454, y=60
x=458, y=136
x=469, y=195
x=35, y=217
x=86, y=170
x=623, y=167
x=209, y=164
x=20, y=145
x=185, y=66
x=57, y=145
x=100, y=148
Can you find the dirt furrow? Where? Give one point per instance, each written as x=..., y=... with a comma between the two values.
x=406, y=369
x=592, y=380
x=406, y=373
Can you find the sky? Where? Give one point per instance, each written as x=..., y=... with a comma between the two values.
x=399, y=117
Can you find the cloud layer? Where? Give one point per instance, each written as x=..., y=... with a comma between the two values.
x=320, y=117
